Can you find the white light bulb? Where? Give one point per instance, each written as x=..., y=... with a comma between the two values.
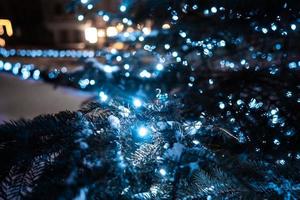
x=106, y=18
x=142, y=131
x=163, y=172
x=213, y=10
x=7, y=66
x=36, y=74
x=91, y=35
x=174, y=54
x=103, y=96
x=92, y=82
x=137, y=103
x=123, y=8
x=221, y=105
x=145, y=74
x=166, y=26
x=90, y=6
x=80, y=17
x=111, y=31
x=159, y=67
x=126, y=66
x=146, y=31
x=119, y=58
x=293, y=27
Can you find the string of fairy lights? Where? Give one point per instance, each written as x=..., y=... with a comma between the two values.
x=189, y=53
x=171, y=60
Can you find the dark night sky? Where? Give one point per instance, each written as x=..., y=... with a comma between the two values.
x=27, y=19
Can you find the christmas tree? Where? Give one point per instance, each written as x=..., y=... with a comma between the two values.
x=195, y=100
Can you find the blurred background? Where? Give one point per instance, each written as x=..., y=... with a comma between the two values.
x=69, y=31
x=44, y=24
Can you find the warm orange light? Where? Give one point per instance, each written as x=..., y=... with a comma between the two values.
x=111, y=31
x=166, y=26
x=2, y=42
x=118, y=45
x=8, y=27
x=91, y=35
x=130, y=30
x=120, y=27
x=7, y=24
x=101, y=33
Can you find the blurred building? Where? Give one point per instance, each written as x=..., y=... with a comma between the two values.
x=66, y=31
x=48, y=22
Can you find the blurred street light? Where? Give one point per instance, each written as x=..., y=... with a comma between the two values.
x=8, y=27
x=111, y=31
x=101, y=33
x=91, y=35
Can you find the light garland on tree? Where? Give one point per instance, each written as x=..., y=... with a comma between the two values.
x=213, y=114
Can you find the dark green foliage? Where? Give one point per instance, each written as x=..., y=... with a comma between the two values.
x=81, y=155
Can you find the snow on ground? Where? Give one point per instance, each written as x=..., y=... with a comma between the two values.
x=27, y=99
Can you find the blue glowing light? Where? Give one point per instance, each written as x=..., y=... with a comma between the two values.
x=276, y=142
x=119, y=58
x=289, y=133
x=264, y=30
x=292, y=65
x=52, y=75
x=83, y=83
x=106, y=18
x=243, y=62
x=175, y=17
x=90, y=6
x=273, y=27
x=123, y=8
x=254, y=104
x=129, y=23
x=145, y=74
x=33, y=53
x=36, y=74
x=195, y=7
x=141, y=38
x=7, y=66
x=142, y=131
x=221, y=105
x=206, y=12
x=222, y=43
x=159, y=67
x=125, y=20
x=25, y=73
x=182, y=34
x=92, y=82
x=80, y=17
x=213, y=10
x=109, y=69
x=196, y=142
x=289, y=94
x=274, y=111
x=174, y=54
x=103, y=96
x=167, y=46
x=277, y=46
x=16, y=68
x=163, y=172
x=126, y=66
